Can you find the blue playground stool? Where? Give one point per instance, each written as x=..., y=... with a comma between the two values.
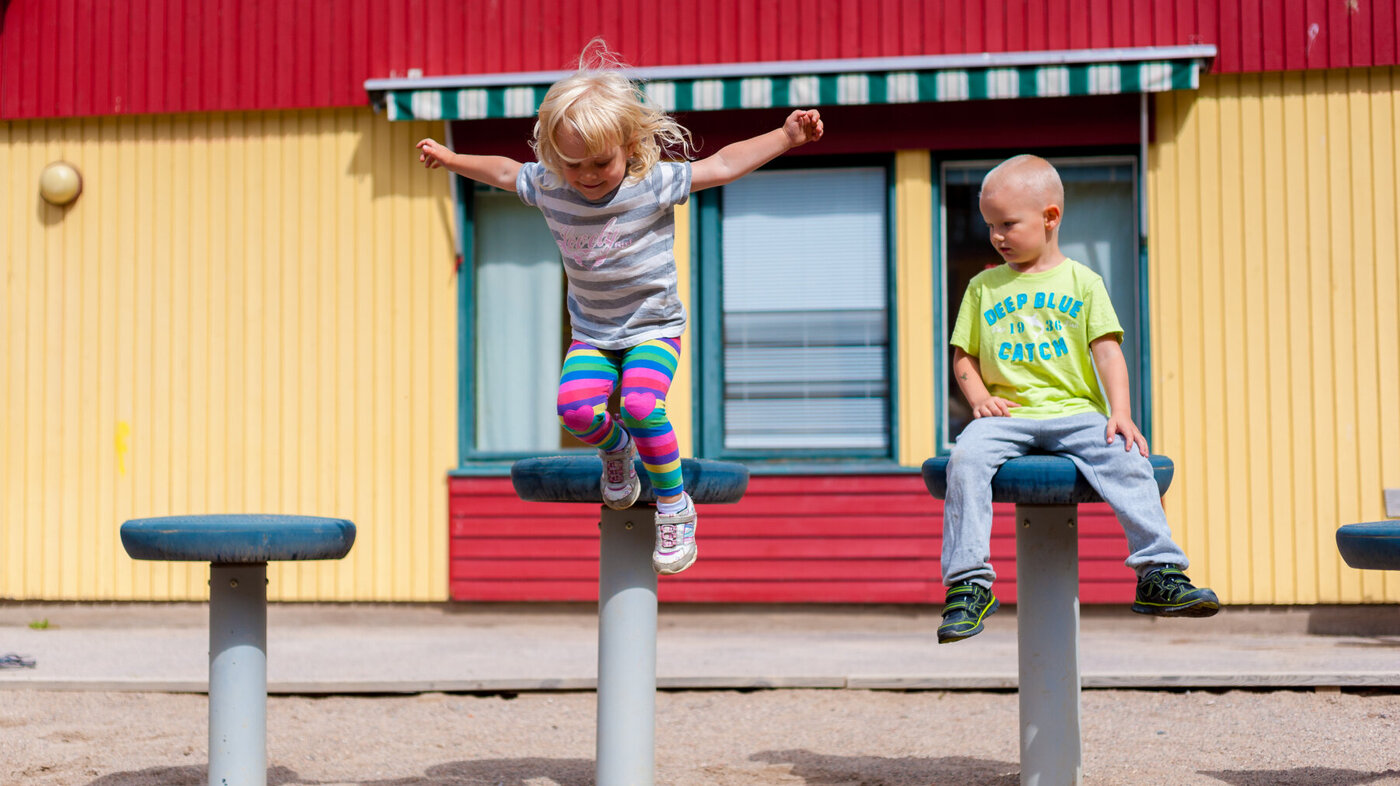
x=1047, y=491
x=1373, y=545
x=626, y=596
x=238, y=548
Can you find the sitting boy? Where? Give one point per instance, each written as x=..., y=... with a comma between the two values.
x=1030, y=335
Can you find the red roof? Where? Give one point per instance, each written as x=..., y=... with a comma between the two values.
x=84, y=57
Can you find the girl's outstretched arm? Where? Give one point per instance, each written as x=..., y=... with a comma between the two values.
x=497, y=171
x=734, y=161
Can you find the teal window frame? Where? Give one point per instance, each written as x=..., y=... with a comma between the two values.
x=707, y=345
x=943, y=300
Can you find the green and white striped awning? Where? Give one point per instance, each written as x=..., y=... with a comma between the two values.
x=804, y=84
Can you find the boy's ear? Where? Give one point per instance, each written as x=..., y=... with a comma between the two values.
x=1053, y=214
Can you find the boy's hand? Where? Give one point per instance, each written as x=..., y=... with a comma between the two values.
x=432, y=153
x=993, y=407
x=1129, y=430
x=803, y=126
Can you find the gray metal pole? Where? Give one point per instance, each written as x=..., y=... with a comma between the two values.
x=626, y=648
x=238, y=675
x=1047, y=641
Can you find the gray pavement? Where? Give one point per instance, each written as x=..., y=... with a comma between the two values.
x=413, y=648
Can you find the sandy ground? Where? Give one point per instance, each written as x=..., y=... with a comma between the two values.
x=719, y=738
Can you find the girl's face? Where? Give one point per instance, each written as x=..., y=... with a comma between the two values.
x=594, y=176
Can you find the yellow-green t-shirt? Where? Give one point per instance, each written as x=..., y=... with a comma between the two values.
x=1030, y=333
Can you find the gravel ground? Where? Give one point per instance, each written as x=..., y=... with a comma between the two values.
x=711, y=738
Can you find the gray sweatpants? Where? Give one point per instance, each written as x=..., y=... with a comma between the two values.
x=1122, y=478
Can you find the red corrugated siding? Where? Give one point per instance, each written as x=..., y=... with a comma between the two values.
x=829, y=539
x=82, y=57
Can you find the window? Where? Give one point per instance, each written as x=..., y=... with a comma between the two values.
x=794, y=281
x=520, y=328
x=1100, y=230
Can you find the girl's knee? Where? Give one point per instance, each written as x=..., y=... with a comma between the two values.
x=643, y=410
x=581, y=419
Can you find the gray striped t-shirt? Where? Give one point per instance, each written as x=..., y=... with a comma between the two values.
x=618, y=253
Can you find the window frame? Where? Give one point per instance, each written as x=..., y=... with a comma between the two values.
x=944, y=301
x=707, y=340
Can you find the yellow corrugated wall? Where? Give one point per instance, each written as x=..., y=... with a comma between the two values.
x=1276, y=366
x=913, y=212
x=250, y=312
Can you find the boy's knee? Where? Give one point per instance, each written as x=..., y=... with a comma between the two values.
x=643, y=410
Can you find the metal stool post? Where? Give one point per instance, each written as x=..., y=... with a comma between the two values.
x=237, y=548
x=1047, y=643
x=238, y=674
x=626, y=597
x=1047, y=491
x=626, y=741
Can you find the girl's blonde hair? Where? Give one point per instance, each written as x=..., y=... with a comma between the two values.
x=605, y=108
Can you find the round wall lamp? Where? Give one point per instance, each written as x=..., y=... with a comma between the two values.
x=60, y=183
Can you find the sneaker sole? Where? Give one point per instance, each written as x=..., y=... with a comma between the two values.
x=1201, y=608
x=967, y=634
x=673, y=568
x=626, y=502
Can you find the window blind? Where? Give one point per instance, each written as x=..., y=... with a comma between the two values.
x=805, y=298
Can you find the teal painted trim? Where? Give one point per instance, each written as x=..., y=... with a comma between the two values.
x=692, y=346
x=778, y=467
x=781, y=91
x=940, y=295
x=976, y=84
x=709, y=349
x=1078, y=79
x=1144, y=418
x=466, y=319
x=878, y=86
x=710, y=293
x=892, y=369
x=482, y=470
x=818, y=469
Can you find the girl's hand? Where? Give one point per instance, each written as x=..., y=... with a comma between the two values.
x=1129, y=430
x=432, y=154
x=803, y=126
x=993, y=407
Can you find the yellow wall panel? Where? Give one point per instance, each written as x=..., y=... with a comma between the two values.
x=913, y=212
x=1274, y=289
x=249, y=312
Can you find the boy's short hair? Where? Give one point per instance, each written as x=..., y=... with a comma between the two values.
x=1030, y=173
x=605, y=108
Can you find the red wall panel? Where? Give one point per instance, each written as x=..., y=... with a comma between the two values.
x=792, y=539
x=84, y=57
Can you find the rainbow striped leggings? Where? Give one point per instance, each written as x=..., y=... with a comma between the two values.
x=646, y=371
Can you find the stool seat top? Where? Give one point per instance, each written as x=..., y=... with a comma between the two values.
x=1373, y=545
x=237, y=538
x=575, y=479
x=1040, y=480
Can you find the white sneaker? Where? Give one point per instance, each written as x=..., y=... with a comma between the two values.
x=619, y=481
x=675, y=540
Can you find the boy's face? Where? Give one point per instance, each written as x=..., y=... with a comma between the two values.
x=594, y=176
x=1019, y=225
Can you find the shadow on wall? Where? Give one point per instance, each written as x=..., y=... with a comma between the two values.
x=1302, y=776
x=817, y=769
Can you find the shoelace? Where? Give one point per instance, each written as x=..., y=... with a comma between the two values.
x=666, y=533
x=614, y=471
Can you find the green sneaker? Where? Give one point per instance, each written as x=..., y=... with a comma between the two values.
x=1165, y=591
x=965, y=606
